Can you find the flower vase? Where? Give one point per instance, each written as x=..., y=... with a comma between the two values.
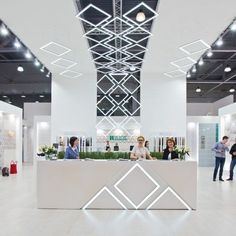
x=182, y=157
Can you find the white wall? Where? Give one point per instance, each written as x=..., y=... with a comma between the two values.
x=193, y=134
x=163, y=108
x=74, y=106
x=42, y=132
x=14, y=123
x=211, y=109
x=31, y=110
x=36, y=109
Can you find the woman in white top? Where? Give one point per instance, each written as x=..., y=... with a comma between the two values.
x=140, y=152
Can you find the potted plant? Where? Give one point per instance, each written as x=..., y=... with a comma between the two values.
x=48, y=151
x=182, y=151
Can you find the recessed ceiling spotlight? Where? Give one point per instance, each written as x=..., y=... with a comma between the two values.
x=48, y=75
x=10, y=102
x=41, y=96
x=42, y=69
x=132, y=68
x=210, y=53
x=117, y=95
x=227, y=68
x=4, y=31
x=198, y=90
x=194, y=69
x=17, y=44
x=36, y=63
x=4, y=96
x=188, y=75
x=233, y=26
x=232, y=90
x=140, y=17
x=201, y=62
x=23, y=96
x=36, y=101
x=20, y=68
x=219, y=42
x=28, y=55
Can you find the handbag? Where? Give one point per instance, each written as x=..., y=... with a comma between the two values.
x=13, y=167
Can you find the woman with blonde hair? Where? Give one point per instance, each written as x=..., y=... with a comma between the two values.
x=139, y=152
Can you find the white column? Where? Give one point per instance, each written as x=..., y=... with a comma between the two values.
x=74, y=106
x=163, y=108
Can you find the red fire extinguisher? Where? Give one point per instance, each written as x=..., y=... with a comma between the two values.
x=13, y=167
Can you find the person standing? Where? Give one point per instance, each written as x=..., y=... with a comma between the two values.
x=140, y=152
x=233, y=161
x=169, y=152
x=220, y=148
x=108, y=147
x=72, y=151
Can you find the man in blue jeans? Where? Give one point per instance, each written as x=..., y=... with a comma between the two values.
x=220, y=148
x=233, y=162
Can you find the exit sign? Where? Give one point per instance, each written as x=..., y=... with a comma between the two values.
x=118, y=138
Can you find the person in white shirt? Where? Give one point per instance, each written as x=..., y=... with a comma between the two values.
x=140, y=152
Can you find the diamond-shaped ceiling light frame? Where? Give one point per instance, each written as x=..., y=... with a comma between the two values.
x=124, y=92
x=143, y=49
x=105, y=26
x=138, y=30
x=131, y=77
x=112, y=75
x=135, y=10
x=127, y=125
x=136, y=206
x=139, y=105
x=91, y=6
x=93, y=49
x=108, y=42
x=95, y=31
x=109, y=100
x=106, y=77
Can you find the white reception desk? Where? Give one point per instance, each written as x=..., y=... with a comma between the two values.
x=78, y=184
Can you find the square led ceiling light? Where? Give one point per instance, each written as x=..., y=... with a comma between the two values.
x=195, y=47
x=64, y=63
x=175, y=73
x=70, y=74
x=186, y=61
x=55, y=49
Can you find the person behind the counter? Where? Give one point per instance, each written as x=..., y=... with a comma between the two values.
x=72, y=151
x=169, y=152
x=140, y=152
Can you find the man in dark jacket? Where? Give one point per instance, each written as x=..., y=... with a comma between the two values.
x=233, y=162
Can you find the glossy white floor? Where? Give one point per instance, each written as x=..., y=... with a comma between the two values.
x=216, y=213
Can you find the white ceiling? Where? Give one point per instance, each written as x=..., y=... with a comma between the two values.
x=180, y=22
x=37, y=23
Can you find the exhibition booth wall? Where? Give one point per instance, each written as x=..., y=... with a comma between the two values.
x=10, y=135
x=32, y=110
x=227, y=116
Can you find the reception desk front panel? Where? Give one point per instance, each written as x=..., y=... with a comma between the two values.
x=76, y=184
